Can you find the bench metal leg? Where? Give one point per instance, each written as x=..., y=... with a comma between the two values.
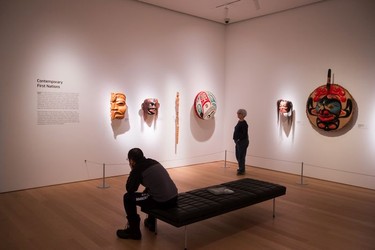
x=156, y=226
x=156, y=232
x=185, y=237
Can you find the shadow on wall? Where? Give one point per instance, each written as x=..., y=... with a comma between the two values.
x=202, y=130
x=287, y=126
x=149, y=120
x=120, y=126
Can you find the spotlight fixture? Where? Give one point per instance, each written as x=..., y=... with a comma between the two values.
x=226, y=10
x=226, y=18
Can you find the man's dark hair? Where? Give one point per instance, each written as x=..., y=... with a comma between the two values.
x=135, y=154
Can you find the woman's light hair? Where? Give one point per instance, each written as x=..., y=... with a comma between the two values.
x=242, y=112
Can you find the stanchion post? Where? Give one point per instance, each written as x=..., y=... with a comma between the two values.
x=301, y=181
x=225, y=159
x=103, y=181
x=302, y=173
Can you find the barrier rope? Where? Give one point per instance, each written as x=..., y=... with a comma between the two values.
x=302, y=164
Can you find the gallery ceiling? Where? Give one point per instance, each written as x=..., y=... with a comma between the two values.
x=229, y=11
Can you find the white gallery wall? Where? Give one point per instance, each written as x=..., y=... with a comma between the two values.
x=86, y=49
x=287, y=56
x=82, y=51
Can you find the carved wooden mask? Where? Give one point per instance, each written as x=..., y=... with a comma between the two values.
x=118, y=106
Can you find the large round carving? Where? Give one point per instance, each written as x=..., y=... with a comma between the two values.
x=329, y=107
x=205, y=105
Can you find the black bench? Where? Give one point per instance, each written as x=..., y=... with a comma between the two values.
x=201, y=204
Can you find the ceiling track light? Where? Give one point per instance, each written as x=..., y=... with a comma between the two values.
x=226, y=10
x=228, y=3
x=257, y=5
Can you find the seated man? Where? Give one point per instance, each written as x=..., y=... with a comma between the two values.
x=160, y=192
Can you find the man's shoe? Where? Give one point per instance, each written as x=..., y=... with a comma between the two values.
x=127, y=233
x=240, y=173
x=150, y=225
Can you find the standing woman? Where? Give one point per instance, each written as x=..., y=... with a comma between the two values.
x=241, y=139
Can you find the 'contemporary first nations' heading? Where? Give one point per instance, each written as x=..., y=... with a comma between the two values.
x=41, y=83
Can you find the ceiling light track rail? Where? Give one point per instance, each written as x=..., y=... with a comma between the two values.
x=228, y=3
